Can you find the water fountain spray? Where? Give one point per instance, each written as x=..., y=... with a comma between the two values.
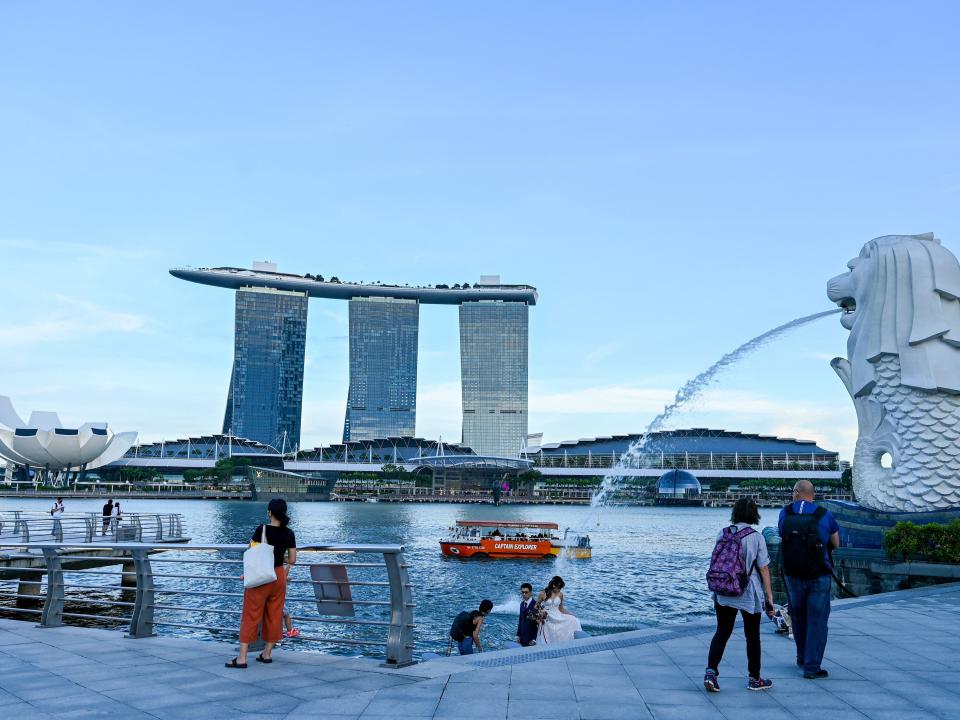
x=690, y=390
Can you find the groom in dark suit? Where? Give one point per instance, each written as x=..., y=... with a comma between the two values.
x=526, y=628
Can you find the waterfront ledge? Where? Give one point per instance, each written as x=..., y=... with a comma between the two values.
x=890, y=656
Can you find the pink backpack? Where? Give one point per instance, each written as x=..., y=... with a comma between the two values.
x=727, y=576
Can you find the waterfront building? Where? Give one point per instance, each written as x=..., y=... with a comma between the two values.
x=269, y=483
x=493, y=376
x=382, y=399
x=384, y=321
x=266, y=386
x=695, y=449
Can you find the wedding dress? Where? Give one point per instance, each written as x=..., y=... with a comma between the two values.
x=557, y=627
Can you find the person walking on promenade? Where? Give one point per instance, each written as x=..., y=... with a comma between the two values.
x=527, y=626
x=264, y=603
x=745, y=595
x=466, y=628
x=116, y=515
x=808, y=534
x=107, y=512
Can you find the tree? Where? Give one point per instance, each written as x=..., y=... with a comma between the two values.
x=846, y=480
x=528, y=479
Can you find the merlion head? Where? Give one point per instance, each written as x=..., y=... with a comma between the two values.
x=900, y=297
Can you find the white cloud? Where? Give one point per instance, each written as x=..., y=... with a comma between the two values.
x=70, y=319
x=600, y=353
x=604, y=399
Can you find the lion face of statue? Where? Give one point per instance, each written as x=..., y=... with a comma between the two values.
x=842, y=290
x=901, y=296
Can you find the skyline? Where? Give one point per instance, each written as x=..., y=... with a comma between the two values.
x=674, y=181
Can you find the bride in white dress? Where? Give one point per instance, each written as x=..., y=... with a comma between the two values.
x=560, y=624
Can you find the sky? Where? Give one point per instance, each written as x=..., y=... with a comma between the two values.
x=674, y=178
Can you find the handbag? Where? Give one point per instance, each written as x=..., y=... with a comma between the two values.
x=258, y=563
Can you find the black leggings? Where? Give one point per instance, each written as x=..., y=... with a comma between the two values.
x=726, y=618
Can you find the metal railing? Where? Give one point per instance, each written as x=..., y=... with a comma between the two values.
x=39, y=526
x=196, y=588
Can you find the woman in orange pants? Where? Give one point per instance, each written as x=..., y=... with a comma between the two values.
x=263, y=605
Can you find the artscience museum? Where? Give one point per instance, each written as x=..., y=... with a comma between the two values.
x=55, y=453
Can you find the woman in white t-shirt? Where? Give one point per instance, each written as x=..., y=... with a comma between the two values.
x=751, y=604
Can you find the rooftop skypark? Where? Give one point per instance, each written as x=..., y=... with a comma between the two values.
x=265, y=275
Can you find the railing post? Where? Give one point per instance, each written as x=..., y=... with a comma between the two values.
x=24, y=530
x=90, y=529
x=159, y=535
x=141, y=621
x=52, y=615
x=400, y=638
x=139, y=527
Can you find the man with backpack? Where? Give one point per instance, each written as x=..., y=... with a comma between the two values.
x=808, y=534
x=466, y=627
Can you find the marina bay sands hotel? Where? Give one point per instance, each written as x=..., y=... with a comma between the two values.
x=266, y=385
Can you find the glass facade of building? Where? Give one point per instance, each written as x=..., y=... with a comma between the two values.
x=493, y=374
x=266, y=386
x=382, y=399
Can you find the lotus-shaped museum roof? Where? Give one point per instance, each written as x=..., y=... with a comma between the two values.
x=44, y=441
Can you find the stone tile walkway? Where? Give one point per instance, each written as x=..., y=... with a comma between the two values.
x=889, y=656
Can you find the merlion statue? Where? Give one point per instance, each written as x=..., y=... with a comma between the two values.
x=901, y=303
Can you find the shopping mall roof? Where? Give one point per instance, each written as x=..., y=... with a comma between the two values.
x=693, y=440
x=316, y=286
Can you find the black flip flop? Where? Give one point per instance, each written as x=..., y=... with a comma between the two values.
x=234, y=664
x=265, y=661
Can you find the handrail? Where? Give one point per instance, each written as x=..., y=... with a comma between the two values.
x=27, y=525
x=157, y=604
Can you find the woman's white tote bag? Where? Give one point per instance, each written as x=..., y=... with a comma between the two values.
x=258, y=563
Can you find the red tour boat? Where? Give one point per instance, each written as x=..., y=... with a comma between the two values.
x=501, y=539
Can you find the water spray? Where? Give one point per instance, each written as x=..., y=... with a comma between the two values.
x=689, y=391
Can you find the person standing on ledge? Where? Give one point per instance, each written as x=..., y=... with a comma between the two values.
x=264, y=603
x=808, y=534
x=107, y=513
x=526, y=626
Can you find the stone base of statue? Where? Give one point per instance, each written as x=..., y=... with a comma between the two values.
x=864, y=528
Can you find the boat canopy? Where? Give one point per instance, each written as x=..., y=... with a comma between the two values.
x=494, y=524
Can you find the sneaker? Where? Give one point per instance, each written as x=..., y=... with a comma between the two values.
x=759, y=684
x=293, y=633
x=818, y=675
x=710, y=681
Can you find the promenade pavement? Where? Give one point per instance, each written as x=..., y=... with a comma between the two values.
x=889, y=656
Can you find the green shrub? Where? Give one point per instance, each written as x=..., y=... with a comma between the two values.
x=933, y=542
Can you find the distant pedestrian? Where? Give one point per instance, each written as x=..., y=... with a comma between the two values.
x=466, y=628
x=116, y=515
x=107, y=513
x=808, y=534
x=55, y=512
x=738, y=558
x=263, y=605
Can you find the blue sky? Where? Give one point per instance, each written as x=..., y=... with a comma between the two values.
x=675, y=179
